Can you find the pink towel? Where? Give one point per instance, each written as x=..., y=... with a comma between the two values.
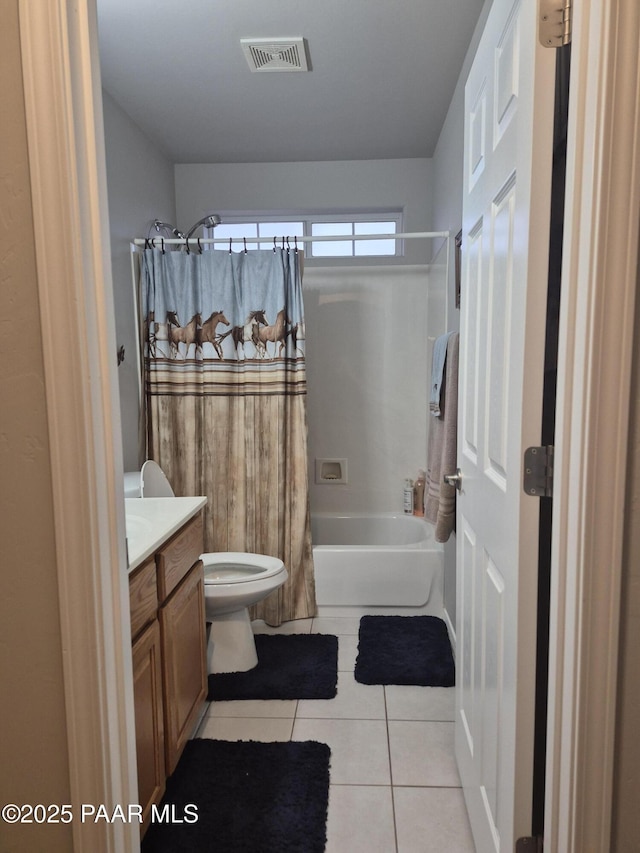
x=442, y=450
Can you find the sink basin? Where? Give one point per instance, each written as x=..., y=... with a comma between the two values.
x=151, y=521
x=137, y=526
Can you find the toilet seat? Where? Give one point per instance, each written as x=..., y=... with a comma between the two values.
x=224, y=567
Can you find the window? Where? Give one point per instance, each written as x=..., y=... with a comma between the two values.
x=252, y=228
x=322, y=226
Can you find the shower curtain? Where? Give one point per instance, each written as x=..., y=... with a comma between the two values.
x=225, y=390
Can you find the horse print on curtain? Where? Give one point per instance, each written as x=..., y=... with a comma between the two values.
x=225, y=389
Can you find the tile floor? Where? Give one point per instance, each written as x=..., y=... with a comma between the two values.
x=394, y=783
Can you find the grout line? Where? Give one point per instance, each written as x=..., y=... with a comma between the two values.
x=393, y=801
x=428, y=787
x=247, y=717
x=202, y=722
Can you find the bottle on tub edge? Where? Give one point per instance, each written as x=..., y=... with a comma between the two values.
x=408, y=496
x=418, y=493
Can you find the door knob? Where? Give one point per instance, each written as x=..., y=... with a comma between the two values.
x=454, y=480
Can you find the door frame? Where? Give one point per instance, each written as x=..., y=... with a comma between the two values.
x=599, y=282
x=66, y=153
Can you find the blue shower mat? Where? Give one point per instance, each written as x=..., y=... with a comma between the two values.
x=290, y=666
x=404, y=650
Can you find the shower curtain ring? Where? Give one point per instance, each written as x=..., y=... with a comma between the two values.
x=295, y=243
x=162, y=239
x=186, y=242
x=283, y=243
x=229, y=245
x=288, y=246
x=274, y=245
x=199, y=247
x=244, y=240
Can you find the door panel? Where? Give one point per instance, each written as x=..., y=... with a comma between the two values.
x=506, y=206
x=470, y=380
x=497, y=402
x=467, y=639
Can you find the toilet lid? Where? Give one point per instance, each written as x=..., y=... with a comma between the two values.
x=153, y=481
x=236, y=567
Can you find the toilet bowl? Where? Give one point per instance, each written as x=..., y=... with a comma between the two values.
x=233, y=581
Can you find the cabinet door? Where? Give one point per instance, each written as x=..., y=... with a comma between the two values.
x=143, y=596
x=176, y=557
x=147, y=691
x=183, y=631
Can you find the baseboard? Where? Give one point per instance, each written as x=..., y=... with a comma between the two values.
x=331, y=611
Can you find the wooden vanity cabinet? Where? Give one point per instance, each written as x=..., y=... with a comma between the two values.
x=168, y=631
x=182, y=628
x=183, y=633
x=150, y=742
x=147, y=685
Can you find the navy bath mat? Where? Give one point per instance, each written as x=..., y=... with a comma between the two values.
x=247, y=797
x=290, y=666
x=404, y=650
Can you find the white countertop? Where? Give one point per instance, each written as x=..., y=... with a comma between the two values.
x=151, y=521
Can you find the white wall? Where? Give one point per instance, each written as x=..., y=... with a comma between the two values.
x=447, y=205
x=447, y=216
x=438, y=310
x=140, y=188
x=337, y=185
x=366, y=347
x=448, y=165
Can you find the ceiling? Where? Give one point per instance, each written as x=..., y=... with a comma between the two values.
x=382, y=76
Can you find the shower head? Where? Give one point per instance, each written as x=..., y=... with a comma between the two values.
x=210, y=221
x=160, y=225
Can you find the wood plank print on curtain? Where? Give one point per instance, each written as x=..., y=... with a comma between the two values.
x=225, y=386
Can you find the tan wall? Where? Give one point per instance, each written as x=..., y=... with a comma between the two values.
x=33, y=741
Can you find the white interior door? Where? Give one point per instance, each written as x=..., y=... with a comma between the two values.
x=507, y=184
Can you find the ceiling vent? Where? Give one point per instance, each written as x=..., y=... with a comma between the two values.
x=284, y=54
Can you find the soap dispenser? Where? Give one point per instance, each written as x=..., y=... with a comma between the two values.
x=408, y=496
x=418, y=493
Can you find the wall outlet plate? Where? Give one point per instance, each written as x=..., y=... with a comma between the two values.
x=331, y=471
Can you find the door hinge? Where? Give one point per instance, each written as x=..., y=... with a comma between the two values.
x=529, y=844
x=538, y=471
x=554, y=22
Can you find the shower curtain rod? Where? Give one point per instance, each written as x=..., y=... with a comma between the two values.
x=181, y=241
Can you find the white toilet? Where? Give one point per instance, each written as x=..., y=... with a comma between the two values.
x=233, y=581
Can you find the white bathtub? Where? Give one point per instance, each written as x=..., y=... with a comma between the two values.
x=375, y=560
